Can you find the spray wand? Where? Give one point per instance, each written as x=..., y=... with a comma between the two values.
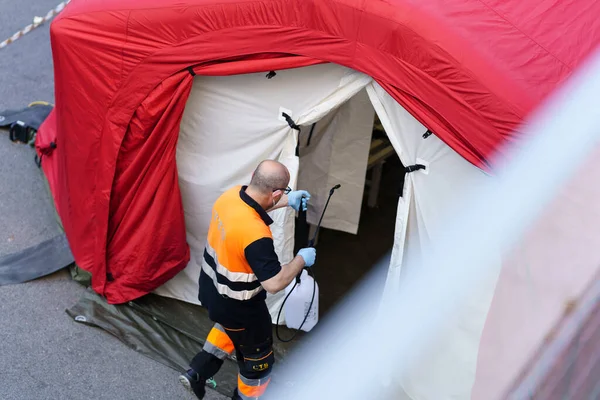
x=311, y=242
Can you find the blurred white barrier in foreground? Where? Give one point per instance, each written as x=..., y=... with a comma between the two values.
x=346, y=357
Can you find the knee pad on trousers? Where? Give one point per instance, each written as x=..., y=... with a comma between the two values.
x=257, y=361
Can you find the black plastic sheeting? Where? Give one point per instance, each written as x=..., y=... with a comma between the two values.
x=35, y=261
x=46, y=257
x=166, y=330
x=32, y=116
x=147, y=334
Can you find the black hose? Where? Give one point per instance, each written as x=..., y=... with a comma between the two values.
x=307, y=313
x=310, y=244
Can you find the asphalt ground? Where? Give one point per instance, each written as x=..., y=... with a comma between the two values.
x=43, y=353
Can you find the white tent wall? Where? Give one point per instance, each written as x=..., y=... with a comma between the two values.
x=542, y=279
x=229, y=125
x=448, y=370
x=338, y=154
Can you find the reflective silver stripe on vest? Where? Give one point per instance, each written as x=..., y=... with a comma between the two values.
x=226, y=290
x=232, y=276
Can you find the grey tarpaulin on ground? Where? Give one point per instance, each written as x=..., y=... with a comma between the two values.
x=39, y=260
x=166, y=330
x=32, y=116
x=140, y=326
x=35, y=261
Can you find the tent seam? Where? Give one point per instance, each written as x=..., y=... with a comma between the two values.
x=456, y=63
x=152, y=8
x=123, y=49
x=180, y=43
x=106, y=269
x=526, y=35
x=360, y=25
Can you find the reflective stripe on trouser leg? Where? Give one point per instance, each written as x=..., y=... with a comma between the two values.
x=218, y=343
x=252, y=388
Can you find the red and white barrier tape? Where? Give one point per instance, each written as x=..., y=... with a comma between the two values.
x=37, y=21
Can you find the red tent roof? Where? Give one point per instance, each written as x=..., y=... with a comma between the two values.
x=469, y=70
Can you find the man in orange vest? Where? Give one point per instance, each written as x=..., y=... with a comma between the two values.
x=239, y=267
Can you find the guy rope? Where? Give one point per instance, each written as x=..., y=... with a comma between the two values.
x=37, y=21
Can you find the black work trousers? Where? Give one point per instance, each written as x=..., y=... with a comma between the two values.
x=251, y=339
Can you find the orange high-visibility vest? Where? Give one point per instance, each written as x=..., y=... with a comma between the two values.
x=234, y=225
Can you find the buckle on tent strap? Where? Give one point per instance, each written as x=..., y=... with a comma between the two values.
x=271, y=74
x=427, y=134
x=408, y=170
x=291, y=122
x=412, y=168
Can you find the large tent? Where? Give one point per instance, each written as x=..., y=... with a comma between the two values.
x=162, y=106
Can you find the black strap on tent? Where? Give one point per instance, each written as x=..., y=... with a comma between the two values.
x=293, y=125
x=191, y=71
x=427, y=134
x=312, y=129
x=408, y=170
x=271, y=74
x=412, y=168
x=291, y=122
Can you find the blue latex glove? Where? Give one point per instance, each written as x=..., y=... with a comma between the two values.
x=309, y=254
x=296, y=197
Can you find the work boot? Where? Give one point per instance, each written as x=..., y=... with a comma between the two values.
x=193, y=382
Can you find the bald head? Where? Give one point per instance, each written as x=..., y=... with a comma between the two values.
x=270, y=175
